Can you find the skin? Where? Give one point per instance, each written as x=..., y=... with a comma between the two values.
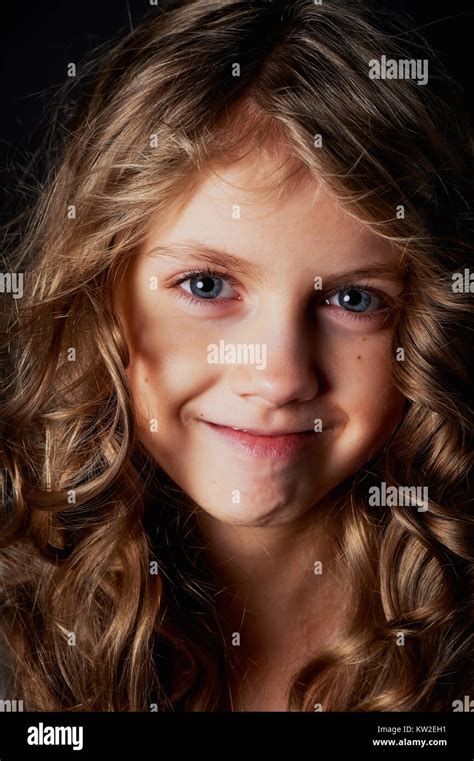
x=323, y=362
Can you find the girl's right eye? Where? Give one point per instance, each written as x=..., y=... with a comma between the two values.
x=207, y=285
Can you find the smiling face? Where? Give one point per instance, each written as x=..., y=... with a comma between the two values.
x=290, y=332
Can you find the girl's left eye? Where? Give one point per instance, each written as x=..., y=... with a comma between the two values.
x=355, y=299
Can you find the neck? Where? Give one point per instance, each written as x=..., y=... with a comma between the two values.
x=273, y=577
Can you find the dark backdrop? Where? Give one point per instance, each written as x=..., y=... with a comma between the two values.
x=38, y=39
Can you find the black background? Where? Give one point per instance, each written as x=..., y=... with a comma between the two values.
x=39, y=39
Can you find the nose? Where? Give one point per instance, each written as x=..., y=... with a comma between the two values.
x=289, y=372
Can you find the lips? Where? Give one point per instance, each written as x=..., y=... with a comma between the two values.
x=284, y=446
x=253, y=431
x=261, y=432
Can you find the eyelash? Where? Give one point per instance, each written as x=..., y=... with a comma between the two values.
x=345, y=314
x=208, y=272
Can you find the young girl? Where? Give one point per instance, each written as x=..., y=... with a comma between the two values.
x=237, y=436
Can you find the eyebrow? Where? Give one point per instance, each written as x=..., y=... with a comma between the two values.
x=203, y=252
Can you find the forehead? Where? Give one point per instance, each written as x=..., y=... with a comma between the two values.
x=265, y=204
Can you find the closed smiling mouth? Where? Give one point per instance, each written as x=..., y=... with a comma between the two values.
x=260, y=443
x=262, y=432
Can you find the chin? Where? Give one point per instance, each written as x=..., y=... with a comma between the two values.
x=253, y=518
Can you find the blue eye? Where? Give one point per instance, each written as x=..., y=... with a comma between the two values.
x=206, y=286
x=354, y=300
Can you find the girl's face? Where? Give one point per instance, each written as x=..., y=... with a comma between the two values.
x=290, y=333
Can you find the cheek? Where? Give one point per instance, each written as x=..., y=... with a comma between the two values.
x=168, y=363
x=361, y=377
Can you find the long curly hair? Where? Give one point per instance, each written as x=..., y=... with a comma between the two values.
x=109, y=603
